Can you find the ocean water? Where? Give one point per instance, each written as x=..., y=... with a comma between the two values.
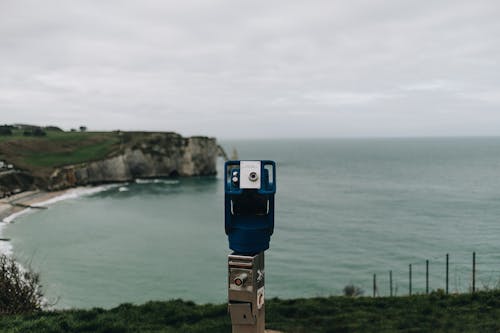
x=346, y=209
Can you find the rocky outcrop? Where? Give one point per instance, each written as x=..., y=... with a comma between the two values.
x=14, y=181
x=143, y=155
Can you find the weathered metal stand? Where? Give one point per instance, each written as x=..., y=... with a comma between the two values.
x=246, y=293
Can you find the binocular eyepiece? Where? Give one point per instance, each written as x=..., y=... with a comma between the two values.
x=250, y=187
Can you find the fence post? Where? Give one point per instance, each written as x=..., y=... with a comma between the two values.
x=427, y=276
x=447, y=271
x=390, y=282
x=374, y=285
x=409, y=283
x=473, y=272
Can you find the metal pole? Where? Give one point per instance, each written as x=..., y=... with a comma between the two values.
x=246, y=293
x=409, y=284
x=390, y=282
x=447, y=271
x=427, y=276
x=374, y=285
x=473, y=272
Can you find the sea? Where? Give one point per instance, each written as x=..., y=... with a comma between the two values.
x=348, y=212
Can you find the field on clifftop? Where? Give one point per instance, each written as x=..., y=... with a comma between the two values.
x=40, y=154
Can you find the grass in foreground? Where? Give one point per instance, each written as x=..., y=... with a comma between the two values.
x=435, y=313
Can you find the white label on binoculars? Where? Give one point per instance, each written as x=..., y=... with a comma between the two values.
x=250, y=175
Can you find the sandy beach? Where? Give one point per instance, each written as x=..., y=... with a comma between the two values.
x=21, y=201
x=41, y=199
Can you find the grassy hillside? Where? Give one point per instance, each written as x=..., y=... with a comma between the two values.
x=435, y=313
x=40, y=154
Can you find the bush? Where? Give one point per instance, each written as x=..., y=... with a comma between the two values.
x=53, y=129
x=352, y=291
x=39, y=132
x=5, y=130
x=20, y=291
x=34, y=131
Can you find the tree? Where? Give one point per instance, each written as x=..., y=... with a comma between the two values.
x=20, y=290
x=34, y=131
x=39, y=132
x=53, y=129
x=5, y=130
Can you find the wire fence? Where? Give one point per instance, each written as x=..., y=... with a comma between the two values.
x=440, y=273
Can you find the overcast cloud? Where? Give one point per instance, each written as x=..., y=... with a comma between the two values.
x=231, y=68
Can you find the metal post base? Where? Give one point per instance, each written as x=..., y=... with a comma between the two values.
x=246, y=293
x=242, y=325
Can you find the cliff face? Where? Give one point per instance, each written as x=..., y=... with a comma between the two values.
x=15, y=181
x=144, y=155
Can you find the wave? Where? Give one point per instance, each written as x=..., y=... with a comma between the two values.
x=77, y=192
x=5, y=246
x=157, y=181
x=14, y=216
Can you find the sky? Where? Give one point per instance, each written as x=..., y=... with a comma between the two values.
x=254, y=69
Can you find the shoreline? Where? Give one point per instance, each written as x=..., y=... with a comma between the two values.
x=19, y=204
x=41, y=199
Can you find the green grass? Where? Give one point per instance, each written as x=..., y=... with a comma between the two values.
x=74, y=136
x=56, y=149
x=79, y=155
x=434, y=313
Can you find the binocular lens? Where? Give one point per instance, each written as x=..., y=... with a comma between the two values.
x=253, y=176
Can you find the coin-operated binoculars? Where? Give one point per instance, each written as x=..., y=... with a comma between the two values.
x=249, y=223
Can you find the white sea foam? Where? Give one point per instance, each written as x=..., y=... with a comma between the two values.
x=123, y=189
x=5, y=247
x=14, y=216
x=157, y=181
x=76, y=193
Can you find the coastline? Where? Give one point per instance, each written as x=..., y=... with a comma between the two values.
x=19, y=204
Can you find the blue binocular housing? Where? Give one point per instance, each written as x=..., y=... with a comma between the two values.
x=249, y=188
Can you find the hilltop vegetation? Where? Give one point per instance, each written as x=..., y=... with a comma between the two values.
x=50, y=159
x=40, y=153
x=437, y=312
